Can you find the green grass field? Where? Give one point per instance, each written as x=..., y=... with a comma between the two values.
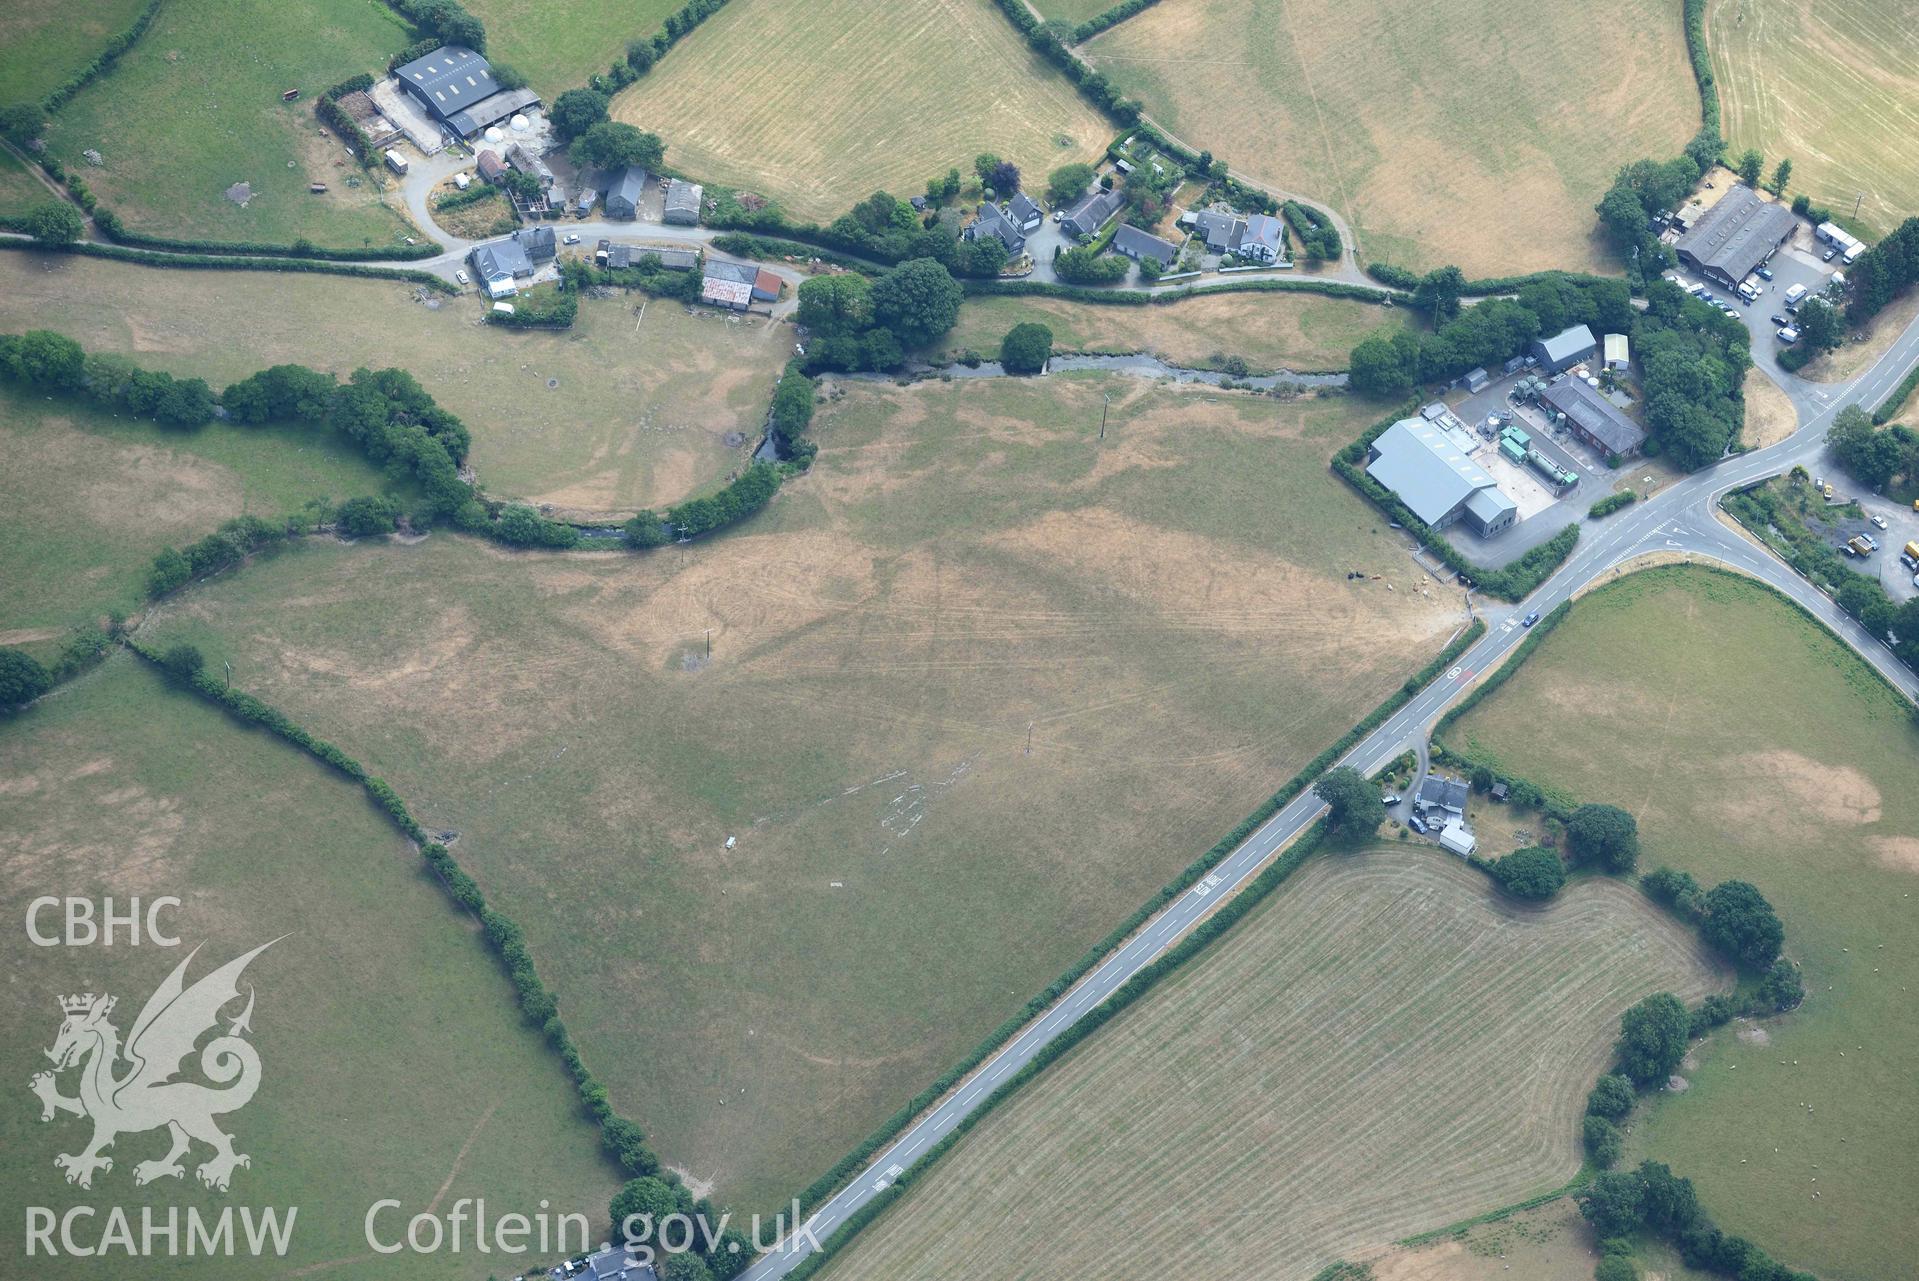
x=42, y=42
x=1301, y=332
x=1478, y=133
x=1165, y=615
x=1383, y=1048
x=393, y=1061
x=559, y=46
x=20, y=191
x=195, y=108
x=1831, y=84
x=87, y=500
x=1073, y=11
x=1752, y=744
x=861, y=103
x=619, y=412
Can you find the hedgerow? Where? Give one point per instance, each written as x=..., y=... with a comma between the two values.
x=214, y=262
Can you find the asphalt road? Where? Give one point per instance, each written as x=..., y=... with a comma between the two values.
x=1682, y=520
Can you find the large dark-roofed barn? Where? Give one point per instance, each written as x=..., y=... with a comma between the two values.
x=457, y=88
x=1593, y=418
x=1734, y=236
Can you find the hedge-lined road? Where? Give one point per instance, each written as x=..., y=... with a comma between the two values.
x=1683, y=521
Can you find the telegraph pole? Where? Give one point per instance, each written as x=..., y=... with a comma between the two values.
x=1105, y=400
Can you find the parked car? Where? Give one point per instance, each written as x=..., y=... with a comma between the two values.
x=462, y=277
x=1780, y=320
x=1417, y=823
x=1389, y=799
x=1829, y=255
x=1765, y=273
x=1532, y=618
x=1877, y=520
x=572, y=237
x=1788, y=335
x=1731, y=311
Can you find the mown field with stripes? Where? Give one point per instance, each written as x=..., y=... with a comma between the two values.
x=1833, y=84
x=1383, y=1048
x=817, y=103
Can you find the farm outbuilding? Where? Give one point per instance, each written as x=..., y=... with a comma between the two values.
x=1418, y=460
x=1618, y=352
x=623, y=192
x=491, y=167
x=1735, y=236
x=728, y=284
x=1592, y=417
x=682, y=202
x=1564, y=349
x=456, y=86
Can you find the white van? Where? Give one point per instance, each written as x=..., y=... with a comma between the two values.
x=1795, y=296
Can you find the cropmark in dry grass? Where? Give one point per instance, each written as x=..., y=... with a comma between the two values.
x=1384, y=1047
x=978, y=686
x=1478, y=133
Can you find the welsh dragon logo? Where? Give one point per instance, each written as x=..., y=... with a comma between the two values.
x=146, y=1095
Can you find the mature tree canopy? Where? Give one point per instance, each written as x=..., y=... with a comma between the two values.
x=836, y=304
x=612, y=145
x=1614, y=1203
x=1820, y=325
x=1783, y=987
x=1437, y=293
x=1616, y=1267
x=22, y=679
x=1026, y=348
x=1612, y=1097
x=182, y=663
x=1068, y=183
x=55, y=223
x=1652, y=1038
x=367, y=517
x=1532, y=873
x=1003, y=178
x=1602, y=1139
x=21, y=122
x=918, y=300
x=1751, y=165
x=650, y=1200
x=1352, y=798
x=1741, y=923
x=1606, y=835
x=576, y=111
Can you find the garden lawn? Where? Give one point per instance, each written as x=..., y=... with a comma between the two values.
x=977, y=686
x=393, y=1061
x=194, y=108
x=862, y=100
x=1752, y=744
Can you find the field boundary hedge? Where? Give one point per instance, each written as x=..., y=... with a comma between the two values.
x=1110, y=18
x=537, y=1003
x=103, y=61
x=1896, y=399
x=1694, y=13
x=1511, y=582
x=1141, y=297
x=216, y=262
x=833, y=1179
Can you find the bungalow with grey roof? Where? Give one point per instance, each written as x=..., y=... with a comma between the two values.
x=1262, y=241
x=1222, y=232
x=1091, y=212
x=1141, y=245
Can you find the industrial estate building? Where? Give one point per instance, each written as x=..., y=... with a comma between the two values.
x=1592, y=417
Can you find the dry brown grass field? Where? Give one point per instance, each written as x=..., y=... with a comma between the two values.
x=1751, y=743
x=393, y=1061
x=1301, y=332
x=978, y=686
x=1834, y=84
x=1477, y=133
x=865, y=98
x=620, y=412
x=1385, y=1047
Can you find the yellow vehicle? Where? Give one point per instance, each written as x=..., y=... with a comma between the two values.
x=1912, y=550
